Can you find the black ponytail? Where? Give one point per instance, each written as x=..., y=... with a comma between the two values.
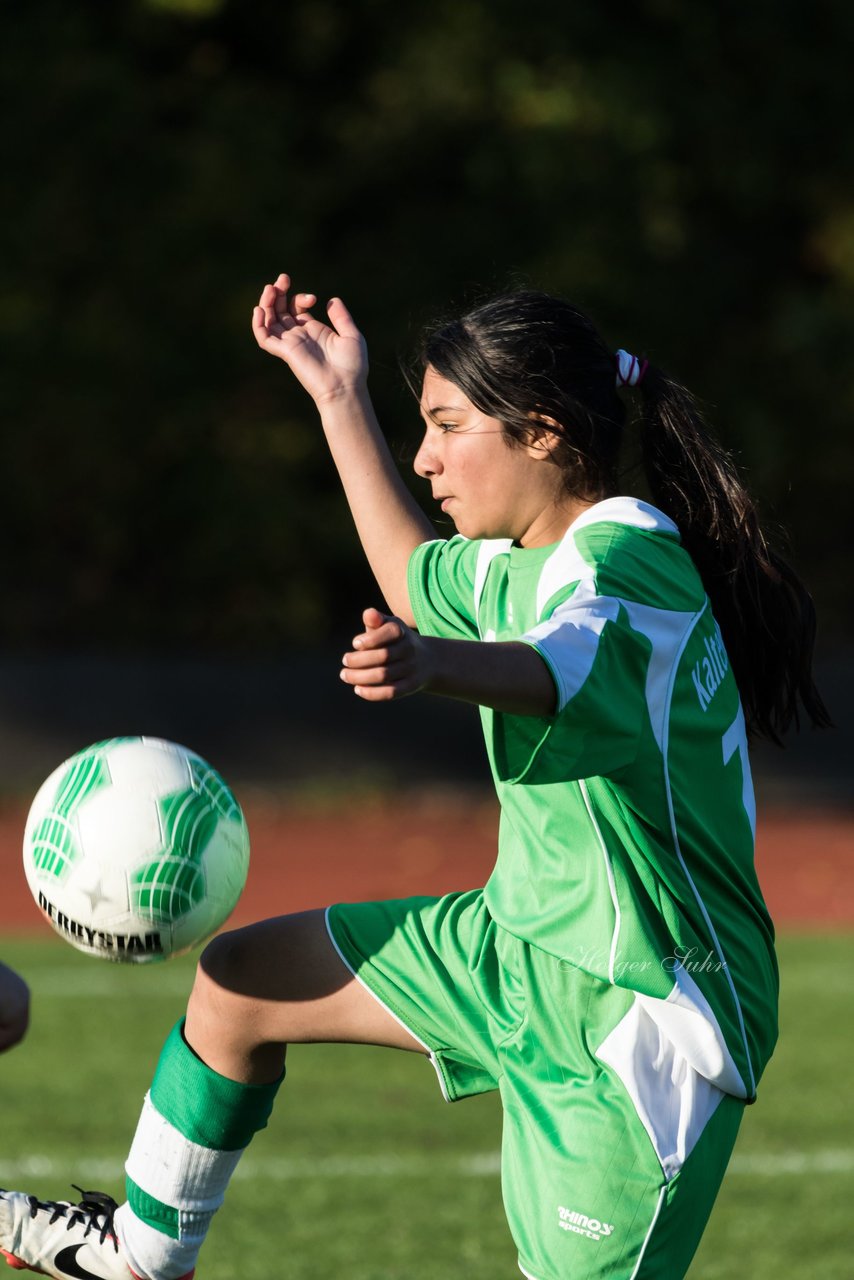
x=765, y=612
x=527, y=354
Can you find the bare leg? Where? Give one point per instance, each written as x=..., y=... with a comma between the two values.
x=277, y=982
x=256, y=990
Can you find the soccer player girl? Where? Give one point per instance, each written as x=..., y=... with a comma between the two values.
x=615, y=979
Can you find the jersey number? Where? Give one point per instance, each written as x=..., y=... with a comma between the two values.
x=735, y=739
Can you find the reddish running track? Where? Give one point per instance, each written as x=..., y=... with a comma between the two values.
x=305, y=857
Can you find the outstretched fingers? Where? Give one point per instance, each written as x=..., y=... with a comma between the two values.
x=328, y=356
x=278, y=310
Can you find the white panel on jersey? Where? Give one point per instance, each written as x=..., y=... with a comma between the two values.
x=673, y=1100
x=565, y=566
x=612, y=885
x=688, y=1021
x=735, y=739
x=571, y=654
x=485, y=556
x=569, y=639
x=667, y=632
x=625, y=510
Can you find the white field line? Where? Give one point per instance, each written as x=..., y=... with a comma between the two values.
x=145, y=982
x=484, y=1164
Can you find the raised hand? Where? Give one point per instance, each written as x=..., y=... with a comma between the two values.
x=329, y=360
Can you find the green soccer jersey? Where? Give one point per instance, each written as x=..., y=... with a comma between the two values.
x=627, y=817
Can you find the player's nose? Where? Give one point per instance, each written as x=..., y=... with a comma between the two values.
x=427, y=462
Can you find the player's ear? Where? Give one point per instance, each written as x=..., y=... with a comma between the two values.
x=544, y=435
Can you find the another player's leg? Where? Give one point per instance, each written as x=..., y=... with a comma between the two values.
x=256, y=990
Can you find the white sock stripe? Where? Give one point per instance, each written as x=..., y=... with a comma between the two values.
x=174, y=1170
x=150, y=1252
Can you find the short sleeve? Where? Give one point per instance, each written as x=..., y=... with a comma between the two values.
x=441, y=578
x=599, y=666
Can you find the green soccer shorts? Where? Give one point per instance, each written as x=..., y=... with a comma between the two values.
x=613, y=1148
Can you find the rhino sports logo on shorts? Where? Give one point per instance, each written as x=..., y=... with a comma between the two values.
x=571, y=1220
x=148, y=943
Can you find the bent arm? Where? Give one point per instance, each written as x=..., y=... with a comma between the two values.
x=505, y=675
x=389, y=660
x=331, y=362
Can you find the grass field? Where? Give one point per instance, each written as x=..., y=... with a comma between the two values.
x=366, y=1173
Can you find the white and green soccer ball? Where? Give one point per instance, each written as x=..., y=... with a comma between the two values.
x=135, y=850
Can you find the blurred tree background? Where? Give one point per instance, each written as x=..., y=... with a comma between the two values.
x=681, y=170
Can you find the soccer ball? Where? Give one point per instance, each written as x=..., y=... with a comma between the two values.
x=135, y=850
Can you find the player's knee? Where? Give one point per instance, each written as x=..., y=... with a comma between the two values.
x=222, y=996
x=229, y=960
x=272, y=960
x=273, y=981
